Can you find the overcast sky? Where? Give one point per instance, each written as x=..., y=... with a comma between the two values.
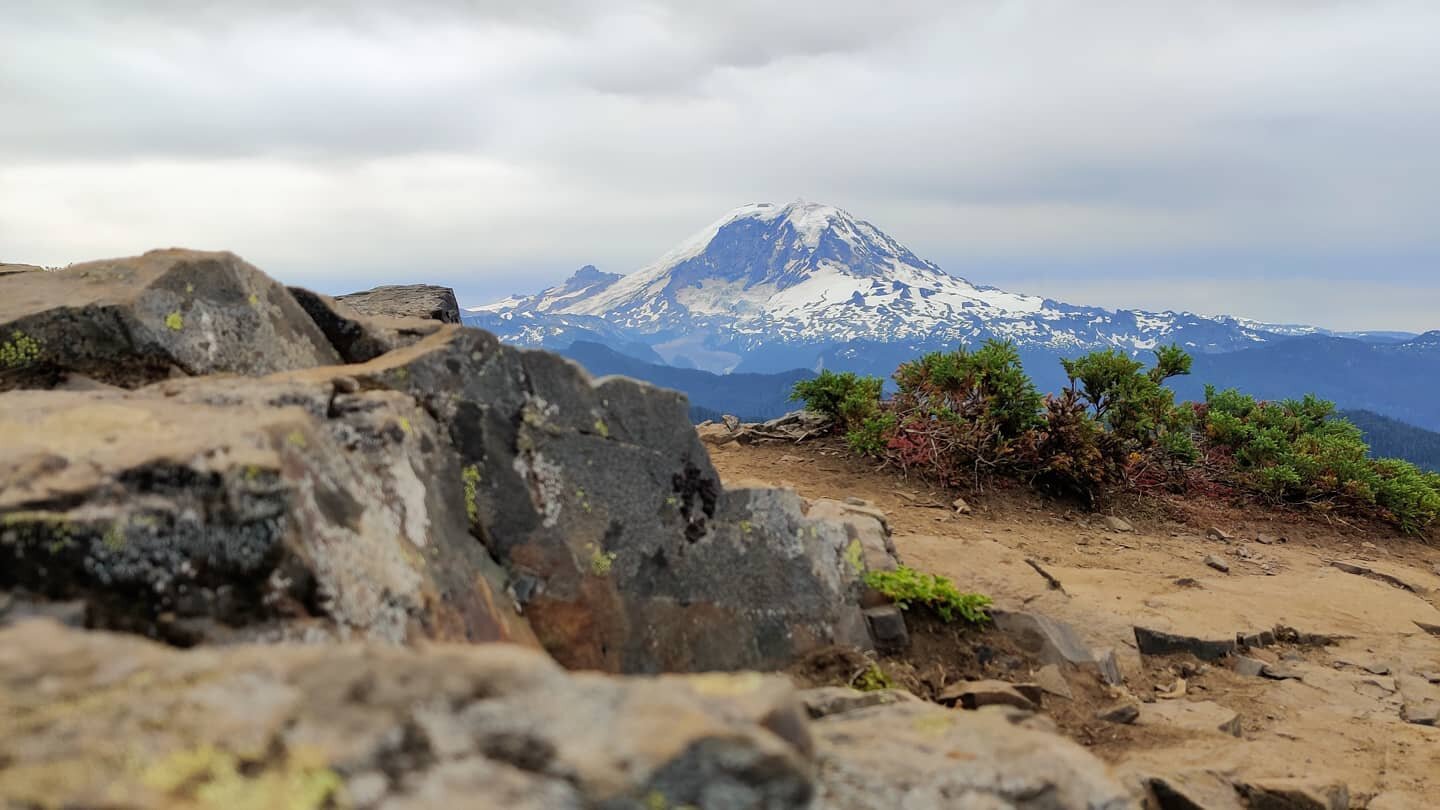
x=1278, y=159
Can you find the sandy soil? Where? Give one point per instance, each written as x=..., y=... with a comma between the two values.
x=1341, y=720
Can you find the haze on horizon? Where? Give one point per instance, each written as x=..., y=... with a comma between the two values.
x=1273, y=159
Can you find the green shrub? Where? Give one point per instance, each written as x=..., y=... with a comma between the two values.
x=848, y=398
x=909, y=588
x=872, y=437
x=1134, y=403
x=1296, y=450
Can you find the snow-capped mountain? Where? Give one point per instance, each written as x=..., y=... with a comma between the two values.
x=778, y=286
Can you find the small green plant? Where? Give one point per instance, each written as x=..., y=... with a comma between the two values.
x=909, y=588
x=872, y=679
x=848, y=398
x=20, y=350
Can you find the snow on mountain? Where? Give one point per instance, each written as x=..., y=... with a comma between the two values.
x=811, y=275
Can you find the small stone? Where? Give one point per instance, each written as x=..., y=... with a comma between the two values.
x=1218, y=534
x=961, y=507
x=887, y=628
x=1432, y=677
x=1158, y=642
x=1244, y=665
x=1280, y=672
x=1174, y=691
x=1421, y=714
x=1268, y=539
x=1052, y=681
x=1376, y=668
x=974, y=694
x=1217, y=563
x=854, y=501
x=1368, y=545
x=1122, y=713
x=1117, y=524
x=731, y=422
x=1295, y=794
x=1194, y=790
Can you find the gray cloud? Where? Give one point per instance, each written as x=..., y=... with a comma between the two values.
x=500, y=143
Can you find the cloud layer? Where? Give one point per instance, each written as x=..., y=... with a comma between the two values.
x=1106, y=151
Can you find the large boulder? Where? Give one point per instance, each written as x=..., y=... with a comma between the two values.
x=599, y=499
x=218, y=509
x=356, y=336
x=95, y=720
x=133, y=321
x=407, y=301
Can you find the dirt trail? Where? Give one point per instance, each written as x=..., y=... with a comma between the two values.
x=1342, y=719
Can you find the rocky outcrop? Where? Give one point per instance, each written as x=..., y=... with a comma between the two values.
x=439, y=486
x=624, y=550
x=226, y=508
x=407, y=301
x=123, y=723
x=133, y=321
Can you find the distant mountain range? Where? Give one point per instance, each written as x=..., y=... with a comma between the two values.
x=775, y=288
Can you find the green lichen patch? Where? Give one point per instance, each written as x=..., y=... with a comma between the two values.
x=174, y=321
x=211, y=778
x=602, y=428
x=470, y=476
x=19, y=351
x=601, y=562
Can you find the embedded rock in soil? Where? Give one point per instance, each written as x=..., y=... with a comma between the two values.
x=923, y=757
x=1200, y=715
x=133, y=321
x=94, y=720
x=1295, y=794
x=1051, y=641
x=1158, y=642
x=623, y=549
x=1193, y=790
x=229, y=508
x=426, y=301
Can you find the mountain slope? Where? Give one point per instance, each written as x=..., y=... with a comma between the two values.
x=1391, y=438
x=808, y=277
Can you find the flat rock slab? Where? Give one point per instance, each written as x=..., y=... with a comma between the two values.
x=1294, y=794
x=1159, y=642
x=1204, y=715
x=1194, y=790
x=975, y=694
x=406, y=301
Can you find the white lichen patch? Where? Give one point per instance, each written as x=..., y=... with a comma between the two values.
x=409, y=491
x=545, y=478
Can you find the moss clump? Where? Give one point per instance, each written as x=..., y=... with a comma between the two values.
x=174, y=321
x=908, y=588
x=602, y=428
x=471, y=478
x=872, y=679
x=20, y=350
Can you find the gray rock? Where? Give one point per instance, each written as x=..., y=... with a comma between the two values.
x=219, y=509
x=1294, y=794
x=1217, y=563
x=1051, y=641
x=961, y=506
x=887, y=628
x=1124, y=713
x=1050, y=679
x=1194, y=790
x=492, y=726
x=1280, y=672
x=975, y=694
x=1218, y=534
x=1116, y=524
x=600, y=500
x=1243, y=665
x=129, y=322
x=1159, y=642
x=827, y=700
x=923, y=757
x=425, y=301
x=359, y=338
